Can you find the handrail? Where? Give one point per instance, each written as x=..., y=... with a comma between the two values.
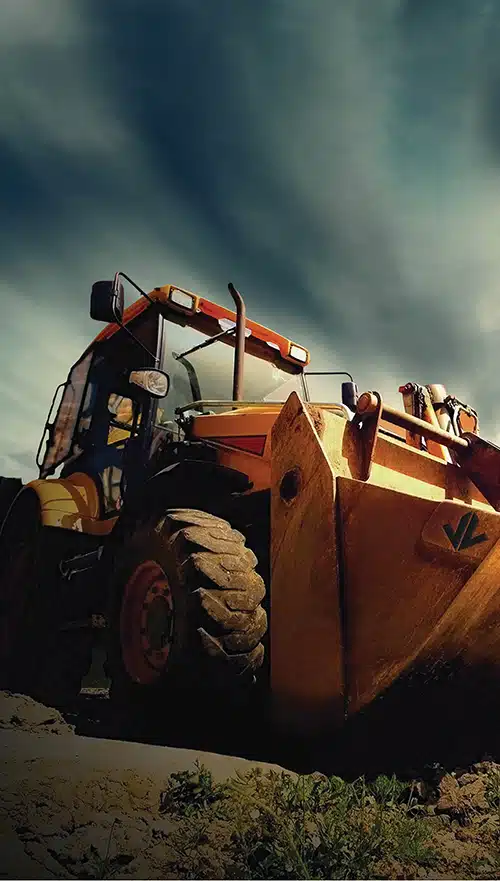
x=237, y=405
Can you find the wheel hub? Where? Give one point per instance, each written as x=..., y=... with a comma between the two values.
x=146, y=623
x=158, y=625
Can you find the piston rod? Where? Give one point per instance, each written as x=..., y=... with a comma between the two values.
x=367, y=404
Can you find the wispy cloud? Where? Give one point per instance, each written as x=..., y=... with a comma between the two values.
x=339, y=162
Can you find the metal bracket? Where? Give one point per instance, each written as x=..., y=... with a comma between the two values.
x=366, y=422
x=80, y=563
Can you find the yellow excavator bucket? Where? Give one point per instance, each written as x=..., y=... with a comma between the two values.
x=385, y=564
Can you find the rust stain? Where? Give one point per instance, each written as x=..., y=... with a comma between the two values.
x=318, y=420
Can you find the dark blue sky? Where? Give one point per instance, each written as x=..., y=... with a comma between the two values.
x=339, y=160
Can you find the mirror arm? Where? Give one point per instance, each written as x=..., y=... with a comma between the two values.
x=124, y=327
x=136, y=286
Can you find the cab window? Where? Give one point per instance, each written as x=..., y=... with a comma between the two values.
x=124, y=417
x=61, y=435
x=96, y=412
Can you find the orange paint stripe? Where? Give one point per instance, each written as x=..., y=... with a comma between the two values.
x=249, y=443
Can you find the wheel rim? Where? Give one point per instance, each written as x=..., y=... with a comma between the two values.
x=146, y=623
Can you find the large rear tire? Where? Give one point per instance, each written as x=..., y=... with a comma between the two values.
x=186, y=611
x=36, y=658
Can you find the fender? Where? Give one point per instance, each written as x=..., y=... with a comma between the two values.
x=71, y=503
x=190, y=481
x=211, y=473
x=187, y=483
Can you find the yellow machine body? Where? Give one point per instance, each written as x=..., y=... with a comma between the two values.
x=376, y=570
x=371, y=579
x=365, y=580
x=71, y=503
x=229, y=432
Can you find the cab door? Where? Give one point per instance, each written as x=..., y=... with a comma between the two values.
x=107, y=427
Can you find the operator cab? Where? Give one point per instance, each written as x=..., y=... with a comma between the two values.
x=104, y=420
x=109, y=428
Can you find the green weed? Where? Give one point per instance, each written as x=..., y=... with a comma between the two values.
x=275, y=825
x=189, y=792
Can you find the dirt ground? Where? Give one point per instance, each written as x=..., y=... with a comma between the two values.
x=84, y=807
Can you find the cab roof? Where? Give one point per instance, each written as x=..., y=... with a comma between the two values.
x=201, y=307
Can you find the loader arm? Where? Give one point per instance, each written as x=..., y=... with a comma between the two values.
x=479, y=458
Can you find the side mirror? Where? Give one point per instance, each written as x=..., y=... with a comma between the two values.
x=107, y=301
x=155, y=382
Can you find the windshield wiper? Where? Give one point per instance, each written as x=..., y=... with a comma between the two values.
x=212, y=339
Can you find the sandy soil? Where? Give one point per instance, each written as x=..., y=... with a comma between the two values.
x=73, y=806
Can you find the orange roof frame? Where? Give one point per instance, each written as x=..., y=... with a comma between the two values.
x=207, y=308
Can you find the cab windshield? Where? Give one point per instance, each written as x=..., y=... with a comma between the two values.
x=207, y=373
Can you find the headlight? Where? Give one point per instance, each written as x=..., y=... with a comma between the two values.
x=183, y=299
x=227, y=324
x=155, y=382
x=298, y=353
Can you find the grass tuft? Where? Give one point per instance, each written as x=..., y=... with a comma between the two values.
x=189, y=792
x=275, y=825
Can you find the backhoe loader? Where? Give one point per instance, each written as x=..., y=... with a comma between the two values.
x=224, y=533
